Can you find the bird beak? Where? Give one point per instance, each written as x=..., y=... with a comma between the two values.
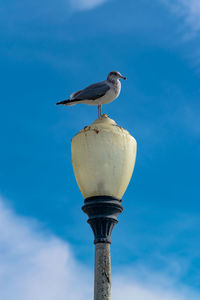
x=123, y=77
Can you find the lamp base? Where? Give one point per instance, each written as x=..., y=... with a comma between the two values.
x=102, y=212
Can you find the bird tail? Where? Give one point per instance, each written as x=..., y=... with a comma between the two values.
x=65, y=102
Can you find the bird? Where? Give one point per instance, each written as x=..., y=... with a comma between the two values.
x=97, y=93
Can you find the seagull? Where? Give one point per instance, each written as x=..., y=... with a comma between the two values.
x=98, y=93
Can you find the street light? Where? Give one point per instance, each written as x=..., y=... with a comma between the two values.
x=103, y=158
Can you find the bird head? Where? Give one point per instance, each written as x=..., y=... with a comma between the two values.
x=115, y=75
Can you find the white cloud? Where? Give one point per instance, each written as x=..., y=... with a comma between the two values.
x=86, y=4
x=129, y=291
x=189, y=11
x=36, y=265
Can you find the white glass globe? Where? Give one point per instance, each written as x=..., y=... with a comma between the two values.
x=103, y=158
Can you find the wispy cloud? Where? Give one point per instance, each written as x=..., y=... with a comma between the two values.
x=189, y=11
x=37, y=265
x=129, y=289
x=191, y=119
x=86, y=4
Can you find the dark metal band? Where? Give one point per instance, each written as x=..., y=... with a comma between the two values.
x=102, y=212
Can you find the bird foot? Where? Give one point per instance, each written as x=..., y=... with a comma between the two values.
x=103, y=116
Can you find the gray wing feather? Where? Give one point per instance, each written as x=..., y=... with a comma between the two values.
x=92, y=92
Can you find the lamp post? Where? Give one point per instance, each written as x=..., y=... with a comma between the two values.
x=103, y=158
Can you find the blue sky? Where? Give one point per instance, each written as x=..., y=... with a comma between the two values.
x=50, y=49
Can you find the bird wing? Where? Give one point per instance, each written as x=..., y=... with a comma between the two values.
x=92, y=92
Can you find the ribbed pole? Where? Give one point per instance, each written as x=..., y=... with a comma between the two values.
x=102, y=279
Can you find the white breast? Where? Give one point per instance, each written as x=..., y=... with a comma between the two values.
x=112, y=94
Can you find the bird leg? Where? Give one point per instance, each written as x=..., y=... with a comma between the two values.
x=99, y=112
x=100, y=116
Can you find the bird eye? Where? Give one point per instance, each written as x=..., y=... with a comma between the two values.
x=114, y=73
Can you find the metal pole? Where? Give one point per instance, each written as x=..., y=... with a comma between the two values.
x=102, y=212
x=102, y=279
